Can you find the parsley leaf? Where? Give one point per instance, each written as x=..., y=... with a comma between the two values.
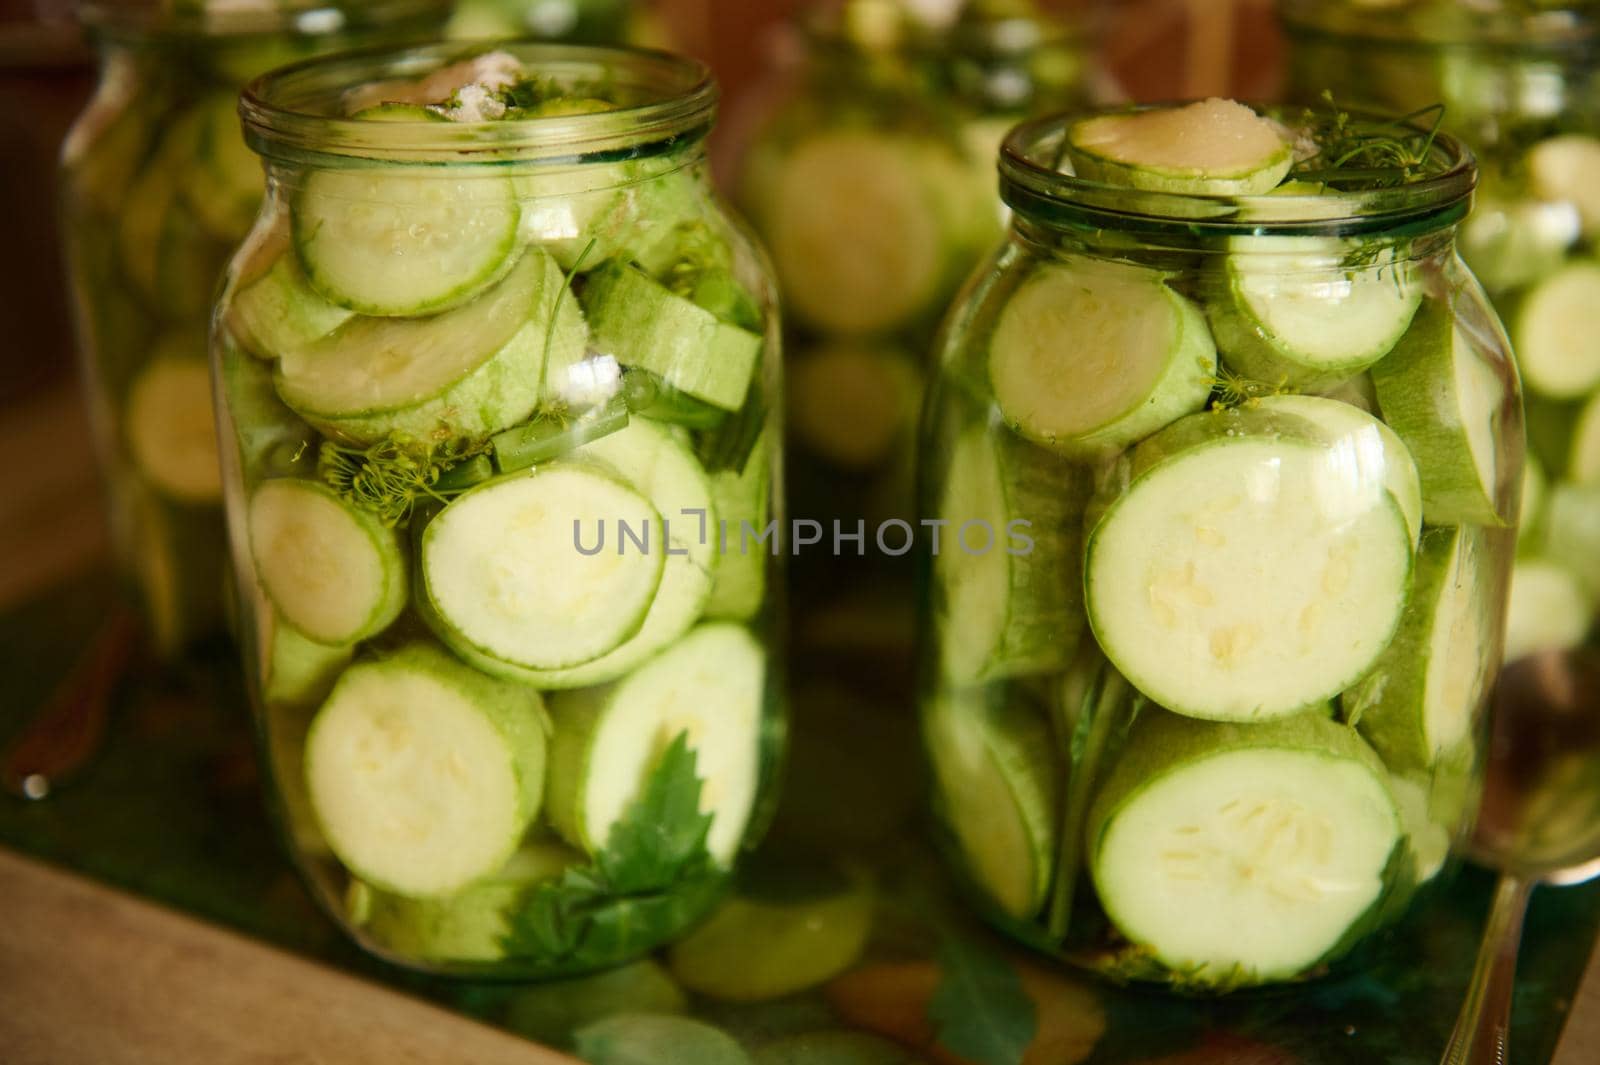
x=653, y=876
x=980, y=1011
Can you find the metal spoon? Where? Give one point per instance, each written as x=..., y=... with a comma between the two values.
x=1539, y=823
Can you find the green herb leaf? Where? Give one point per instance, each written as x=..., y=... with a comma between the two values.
x=653, y=876
x=663, y=832
x=980, y=1011
x=1356, y=153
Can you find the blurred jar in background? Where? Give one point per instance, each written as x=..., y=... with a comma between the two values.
x=872, y=184
x=1518, y=82
x=582, y=21
x=158, y=190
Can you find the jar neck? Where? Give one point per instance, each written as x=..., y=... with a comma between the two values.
x=664, y=107
x=1517, y=25
x=1045, y=199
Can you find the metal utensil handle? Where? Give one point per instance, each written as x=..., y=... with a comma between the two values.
x=1483, y=1028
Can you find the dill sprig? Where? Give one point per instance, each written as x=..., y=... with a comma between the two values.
x=1232, y=389
x=1358, y=153
x=390, y=476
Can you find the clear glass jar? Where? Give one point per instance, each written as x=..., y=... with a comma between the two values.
x=1521, y=84
x=1214, y=743
x=158, y=189
x=582, y=21
x=870, y=182
x=506, y=535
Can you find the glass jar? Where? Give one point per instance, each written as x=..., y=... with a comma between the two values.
x=870, y=182
x=158, y=189
x=1216, y=744
x=1521, y=85
x=585, y=21
x=497, y=400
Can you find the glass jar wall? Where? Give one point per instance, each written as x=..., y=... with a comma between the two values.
x=159, y=188
x=1522, y=85
x=498, y=381
x=871, y=185
x=1226, y=486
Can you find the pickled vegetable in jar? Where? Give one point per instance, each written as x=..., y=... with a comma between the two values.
x=497, y=381
x=870, y=182
x=1518, y=83
x=158, y=189
x=1224, y=449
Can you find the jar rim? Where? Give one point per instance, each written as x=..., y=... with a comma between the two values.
x=1573, y=25
x=1043, y=193
x=310, y=18
x=289, y=112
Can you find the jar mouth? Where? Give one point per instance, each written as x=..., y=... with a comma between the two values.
x=1033, y=186
x=309, y=18
x=294, y=113
x=1447, y=22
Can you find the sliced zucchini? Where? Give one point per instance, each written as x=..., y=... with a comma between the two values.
x=1242, y=853
x=295, y=669
x=1303, y=319
x=853, y=404
x=468, y=926
x=1247, y=570
x=1515, y=242
x=1549, y=609
x=1556, y=333
x=1008, y=608
x=271, y=438
x=709, y=686
x=172, y=434
x=332, y=570
x=858, y=231
x=998, y=786
x=466, y=373
x=189, y=263
x=739, y=571
x=1086, y=360
x=550, y=1012
x=656, y=462
x=808, y=935
x=1426, y=838
x=1210, y=148
x=1583, y=459
x=280, y=312
x=1375, y=451
x=635, y=1038
x=1445, y=399
x=643, y=324
x=1566, y=169
x=511, y=581
x=424, y=774
x=1421, y=699
x=387, y=241
x=1571, y=533
x=223, y=184
x=149, y=203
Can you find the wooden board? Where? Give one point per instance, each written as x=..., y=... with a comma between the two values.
x=89, y=976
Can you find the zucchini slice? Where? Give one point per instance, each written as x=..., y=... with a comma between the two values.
x=332, y=570
x=709, y=685
x=998, y=786
x=1422, y=698
x=1248, y=569
x=171, y=432
x=1566, y=169
x=510, y=579
x=466, y=373
x=386, y=241
x=1303, y=320
x=1556, y=332
x=1444, y=398
x=1009, y=608
x=280, y=312
x=1087, y=361
x=424, y=774
x=644, y=324
x=1242, y=853
x=1210, y=148
x=1549, y=610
